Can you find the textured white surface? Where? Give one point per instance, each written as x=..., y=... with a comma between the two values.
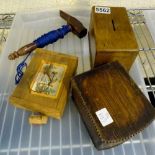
x=27, y=5
x=67, y=136
x=150, y=21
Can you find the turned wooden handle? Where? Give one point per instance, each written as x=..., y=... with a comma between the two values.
x=22, y=51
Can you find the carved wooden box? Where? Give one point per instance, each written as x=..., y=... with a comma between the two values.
x=111, y=105
x=45, y=85
x=111, y=37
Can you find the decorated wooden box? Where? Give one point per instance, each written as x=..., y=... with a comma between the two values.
x=111, y=105
x=111, y=37
x=45, y=85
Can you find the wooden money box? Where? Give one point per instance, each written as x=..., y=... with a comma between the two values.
x=45, y=85
x=111, y=37
x=111, y=105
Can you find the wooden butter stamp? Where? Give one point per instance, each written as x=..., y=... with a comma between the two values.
x=111, y=37
x=45, y=85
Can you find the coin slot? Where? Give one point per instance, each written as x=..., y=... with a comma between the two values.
x=113, y=24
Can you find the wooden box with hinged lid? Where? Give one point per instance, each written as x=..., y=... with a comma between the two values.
x=45, y=85
x=111, y=105
x=111, y=37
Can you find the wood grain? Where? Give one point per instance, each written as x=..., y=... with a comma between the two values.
x=110, y=87
x=112, y=38
x=38, y=119
x=54, y=107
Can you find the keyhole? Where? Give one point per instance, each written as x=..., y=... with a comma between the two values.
x=113, y=25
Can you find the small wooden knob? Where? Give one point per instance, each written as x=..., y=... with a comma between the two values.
x=38, y=119
x=22, y=51
x=13, y=55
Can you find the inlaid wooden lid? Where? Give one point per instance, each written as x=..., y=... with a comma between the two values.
x=45, y=85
